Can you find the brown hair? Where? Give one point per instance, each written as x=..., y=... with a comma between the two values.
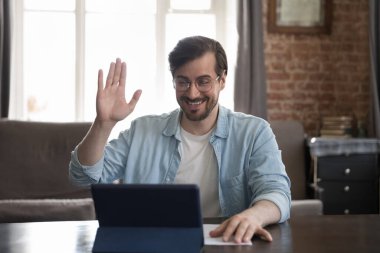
x=191, y=48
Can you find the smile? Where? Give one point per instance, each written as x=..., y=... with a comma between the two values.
x=195, y=103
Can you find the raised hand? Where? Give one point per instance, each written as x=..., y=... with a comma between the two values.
x=111, y=105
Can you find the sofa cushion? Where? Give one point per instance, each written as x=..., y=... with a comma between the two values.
x=34, y=159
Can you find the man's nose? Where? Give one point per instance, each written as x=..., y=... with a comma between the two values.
x=193, y=91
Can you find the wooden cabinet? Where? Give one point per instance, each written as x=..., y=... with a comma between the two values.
x=346, y=179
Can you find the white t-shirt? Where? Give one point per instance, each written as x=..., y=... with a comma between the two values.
x=199, y=166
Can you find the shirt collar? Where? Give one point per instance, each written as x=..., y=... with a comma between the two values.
x=173, y=127
x=221, y=129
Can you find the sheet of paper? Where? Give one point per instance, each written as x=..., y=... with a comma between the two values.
x=217, y=240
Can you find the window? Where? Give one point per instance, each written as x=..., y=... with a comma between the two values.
x=59, y=45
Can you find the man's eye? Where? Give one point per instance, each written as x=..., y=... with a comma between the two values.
x=203, y=81
x=182, y=82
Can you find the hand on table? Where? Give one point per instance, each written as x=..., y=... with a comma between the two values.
x=241, y=227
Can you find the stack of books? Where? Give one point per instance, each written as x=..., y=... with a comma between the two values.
x=338, y=127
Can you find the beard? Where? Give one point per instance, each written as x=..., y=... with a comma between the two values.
x=194, y=112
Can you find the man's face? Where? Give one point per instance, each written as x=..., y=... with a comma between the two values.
x=198, y=105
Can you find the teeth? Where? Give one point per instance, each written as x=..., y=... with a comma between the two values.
x=195, y=103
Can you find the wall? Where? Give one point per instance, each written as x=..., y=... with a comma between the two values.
x=309, y=76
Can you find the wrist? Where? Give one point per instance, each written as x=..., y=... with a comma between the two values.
x=104, y=125
x=265, y=212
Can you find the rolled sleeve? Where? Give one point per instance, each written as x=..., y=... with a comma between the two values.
x=268, y=178
x=280, y=199
x=84, y=175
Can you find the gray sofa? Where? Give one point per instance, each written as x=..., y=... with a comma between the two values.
x=34, y=184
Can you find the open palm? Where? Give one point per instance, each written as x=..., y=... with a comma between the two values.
x=111, y=105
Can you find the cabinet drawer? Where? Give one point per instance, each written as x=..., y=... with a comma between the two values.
x=350, y=197
x=351, y=208
x=352, y=167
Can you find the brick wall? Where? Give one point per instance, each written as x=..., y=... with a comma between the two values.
x=309, y=76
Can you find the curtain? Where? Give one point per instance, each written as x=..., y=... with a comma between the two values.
x=374, y=44
x=4, y=57
x=250, y=79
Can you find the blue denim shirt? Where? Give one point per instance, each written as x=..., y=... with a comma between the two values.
x=248, y=158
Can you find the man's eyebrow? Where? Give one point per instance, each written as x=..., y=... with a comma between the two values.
x=184, y=77
x=201, y=76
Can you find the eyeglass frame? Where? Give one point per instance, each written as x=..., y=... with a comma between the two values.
x=196, y=82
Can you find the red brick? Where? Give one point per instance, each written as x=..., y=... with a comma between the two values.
x=308, y=86
x=347, y=87
x=274, y=105
x=308, y=66
x=313, y=75
x=278, y=96
x=304, y=47
x=317, y=77
x=327, y=87
x=301, y=56
x=364, y=88
x=276, y=86
x=300, y=76
x=327, y=97
x=362, y=97
x=278, y=56
x=277, y=76
x=277, y=46
x=277, y=66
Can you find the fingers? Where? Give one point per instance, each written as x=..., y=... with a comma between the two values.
x=230, y=229
x=219, y=230
x=226, y=229
x=264, y=234
x=100, y=80
x=129, y=107
x=116, y=73
x=135, y=99
x=123, y=76
x=248, y=234
x=241, y=230
x=110, y=75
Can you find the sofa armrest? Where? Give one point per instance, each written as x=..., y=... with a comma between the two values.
x=306, y=207
x=32, y=210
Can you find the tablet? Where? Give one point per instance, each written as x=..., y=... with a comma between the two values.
x=147, y=218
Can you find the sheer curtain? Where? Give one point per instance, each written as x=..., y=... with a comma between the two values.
x=374, y=40
x=250, y=79
x=4, y=57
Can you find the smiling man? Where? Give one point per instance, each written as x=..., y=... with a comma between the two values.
x=232, y=157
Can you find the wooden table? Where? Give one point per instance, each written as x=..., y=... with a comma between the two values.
x=340, y=233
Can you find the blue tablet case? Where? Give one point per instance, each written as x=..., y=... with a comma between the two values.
x=147, y=218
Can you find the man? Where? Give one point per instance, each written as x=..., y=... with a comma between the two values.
x=233, y=157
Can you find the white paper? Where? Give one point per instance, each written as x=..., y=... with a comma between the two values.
x=218, y=240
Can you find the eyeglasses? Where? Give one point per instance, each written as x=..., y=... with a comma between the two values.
x=203, y=83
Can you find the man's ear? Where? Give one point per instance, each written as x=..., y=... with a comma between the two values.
x=223, y=78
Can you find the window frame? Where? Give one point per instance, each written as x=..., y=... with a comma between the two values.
x=18, y=105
